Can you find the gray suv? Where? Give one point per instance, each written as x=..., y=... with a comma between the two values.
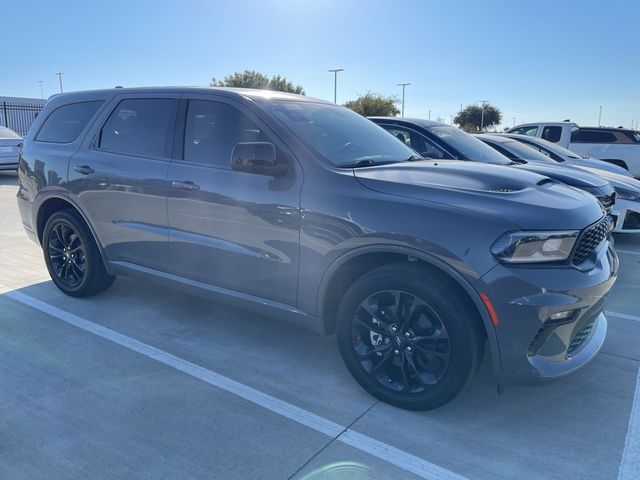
x=309, y=212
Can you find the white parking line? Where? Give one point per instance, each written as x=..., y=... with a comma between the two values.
x=630, y=463
x=383, y=451
x=622, y=315
x=628, y=252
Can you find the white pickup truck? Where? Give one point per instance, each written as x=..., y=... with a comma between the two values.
x=619, y=146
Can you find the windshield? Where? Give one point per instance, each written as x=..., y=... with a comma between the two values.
x=557, y=149
x=6, y=133
x=524, y=152
x=469, y=147
x=340, y=136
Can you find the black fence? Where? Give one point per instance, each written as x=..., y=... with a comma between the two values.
x=19, y=116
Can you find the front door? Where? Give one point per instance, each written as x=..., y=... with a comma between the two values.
x=235, y=230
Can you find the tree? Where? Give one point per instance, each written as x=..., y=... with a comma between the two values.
x=374, y=104
x=253, y=79
x=470, y=119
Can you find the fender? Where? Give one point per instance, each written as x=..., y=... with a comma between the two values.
x=431, y=260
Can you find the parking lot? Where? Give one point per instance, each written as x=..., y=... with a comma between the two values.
x=145, y=382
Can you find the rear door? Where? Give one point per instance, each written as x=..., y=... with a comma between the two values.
x=119, y=177
x=232, y=229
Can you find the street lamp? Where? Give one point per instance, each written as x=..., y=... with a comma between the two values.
x=514, y=121
x=60, y=78
x=403, y=85
x=600, y=117
x=335, y=82
x=429, y=114
x=482, y=116
x=41, y=90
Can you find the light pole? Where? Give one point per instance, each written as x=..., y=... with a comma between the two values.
x=600, y=117
x=335, y=82
x=403, y=85
x=60, y=78
x=514, y=121
x=482, y=115
x=429, y=114
x=41, y=90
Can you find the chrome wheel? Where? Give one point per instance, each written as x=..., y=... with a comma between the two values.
x=400, y=341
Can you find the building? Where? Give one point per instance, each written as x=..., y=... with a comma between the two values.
x=19, y=113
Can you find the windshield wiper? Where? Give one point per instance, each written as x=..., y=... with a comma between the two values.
x=414, y=158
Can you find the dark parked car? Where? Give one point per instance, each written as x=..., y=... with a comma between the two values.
x=440, y=141
x=306, y=210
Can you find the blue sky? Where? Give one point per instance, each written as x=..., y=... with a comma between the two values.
x=536, y=60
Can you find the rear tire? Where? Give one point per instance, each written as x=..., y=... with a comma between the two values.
x=408, y=338
x=72, y=255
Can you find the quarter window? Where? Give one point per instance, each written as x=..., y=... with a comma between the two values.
x=65, y=123
x=140, y=126
x=213, y=129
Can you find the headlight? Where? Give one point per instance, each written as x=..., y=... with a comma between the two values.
x=534, y=247
x=624, y=194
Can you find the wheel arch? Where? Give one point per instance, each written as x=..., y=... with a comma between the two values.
x=344, y=270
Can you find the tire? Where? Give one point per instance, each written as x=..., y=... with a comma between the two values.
x=72, y=255
x=438, y=340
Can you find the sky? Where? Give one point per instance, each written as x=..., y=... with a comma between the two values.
x=543, y=60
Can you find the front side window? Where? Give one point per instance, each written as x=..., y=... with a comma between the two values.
x=141, y=127
x=213, y=129
x=338, y=135
x=552, y=134
x=65, y=123
x=531, y=131
x=416, y=141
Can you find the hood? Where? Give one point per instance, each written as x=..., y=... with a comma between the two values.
x=526, y=199
x=616, y=180
x=568, y=174
x=602, y=165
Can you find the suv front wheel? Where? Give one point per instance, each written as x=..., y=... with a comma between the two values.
x=407, y=337
x=72, y=256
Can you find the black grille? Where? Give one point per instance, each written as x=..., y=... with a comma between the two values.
x=580, y=337
x=591, y=238
x=607, y=201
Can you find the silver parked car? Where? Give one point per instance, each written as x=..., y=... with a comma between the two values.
x=10, y=145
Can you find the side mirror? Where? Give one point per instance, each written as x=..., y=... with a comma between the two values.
x=257, y=157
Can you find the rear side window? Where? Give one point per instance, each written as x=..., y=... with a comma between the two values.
x=65, y=123
x=552, y=134
x=592, y=136
x=140, y=126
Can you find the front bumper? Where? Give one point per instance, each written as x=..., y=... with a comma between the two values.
x=533, y=346
x=627, y=216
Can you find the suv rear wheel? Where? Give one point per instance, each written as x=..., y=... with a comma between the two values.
x=407, y=338
x=72, y=256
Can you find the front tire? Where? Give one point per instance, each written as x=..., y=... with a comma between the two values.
x=72, y=255
x=407, y=336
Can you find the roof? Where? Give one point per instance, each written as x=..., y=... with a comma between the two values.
x=415, y=121
x=253, y=93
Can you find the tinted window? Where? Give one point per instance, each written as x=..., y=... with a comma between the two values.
x=7, y=133
x=213, y=129
x=65, y=123
x=416, y=141
x=633, y=136
x=140, y=126
x=531, y=131
x=528, y=151
x=592, y=136
x=552, y=134
x=544, y=151
x=469, y=147
x=339, y=135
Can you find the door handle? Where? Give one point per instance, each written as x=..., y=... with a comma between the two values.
x=188, y=185
x=84, y=169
